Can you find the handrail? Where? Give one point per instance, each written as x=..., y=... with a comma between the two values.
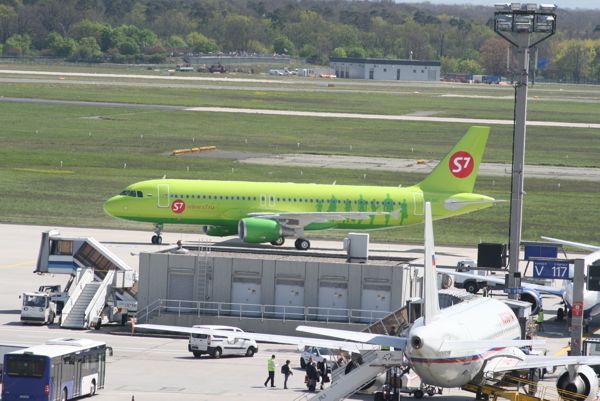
x=87, y=276
x=99, y=300
x=265, y=312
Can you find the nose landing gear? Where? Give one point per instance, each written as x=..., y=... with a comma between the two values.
x=157, y=239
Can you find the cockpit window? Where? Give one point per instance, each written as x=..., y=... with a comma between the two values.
x=133, y=194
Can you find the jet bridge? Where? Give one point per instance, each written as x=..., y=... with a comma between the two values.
x=103, y=286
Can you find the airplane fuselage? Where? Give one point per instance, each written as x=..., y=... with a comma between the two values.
x=471, y=320
x=224, y=203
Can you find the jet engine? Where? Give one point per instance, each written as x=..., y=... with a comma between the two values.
x=219, y=231
x=256, y=230
x=584, y=384
x=534, y=298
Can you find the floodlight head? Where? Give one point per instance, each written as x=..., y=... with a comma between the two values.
x=547, y=8
x=515, y=6
x=530, y=7
x=502, y=6
x=544, y=23
x=523, y=23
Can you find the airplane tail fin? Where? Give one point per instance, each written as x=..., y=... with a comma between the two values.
x=457, y=172
x=431, y=301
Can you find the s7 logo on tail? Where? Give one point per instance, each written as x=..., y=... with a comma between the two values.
x=461, y=164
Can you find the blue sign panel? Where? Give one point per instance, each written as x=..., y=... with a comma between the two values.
x=539, y=251
x=513, y=290
x=554, y=270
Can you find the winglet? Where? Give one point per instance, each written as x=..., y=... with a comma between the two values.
x=431, y=301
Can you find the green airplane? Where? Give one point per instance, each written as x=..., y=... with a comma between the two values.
x=261, y=212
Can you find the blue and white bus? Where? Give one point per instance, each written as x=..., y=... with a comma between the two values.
x=59, y=370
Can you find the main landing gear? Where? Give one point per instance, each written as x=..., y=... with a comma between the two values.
x=157, y=239
x=280, y=241
x=302, y=244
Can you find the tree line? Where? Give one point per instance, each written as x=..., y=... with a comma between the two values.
x=130, y=31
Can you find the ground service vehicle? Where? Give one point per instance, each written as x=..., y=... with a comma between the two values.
x=317, y=354
x=472, y=284
x=61, y=369
x=42, y=306
x=220, y=345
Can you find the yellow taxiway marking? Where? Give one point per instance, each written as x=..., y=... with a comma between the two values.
x=20, y=264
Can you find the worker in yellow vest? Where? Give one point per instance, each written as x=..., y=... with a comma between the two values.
x=540, y=320
x=271, y=368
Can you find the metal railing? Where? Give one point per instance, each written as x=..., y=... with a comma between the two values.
x=257, y=311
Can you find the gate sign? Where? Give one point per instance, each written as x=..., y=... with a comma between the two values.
x=551, y=269
x=540, y=251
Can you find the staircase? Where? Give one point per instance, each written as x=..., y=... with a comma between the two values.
x=76, y=317
x=374, y=363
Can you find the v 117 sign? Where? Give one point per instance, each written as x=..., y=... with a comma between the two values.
x=553, y=269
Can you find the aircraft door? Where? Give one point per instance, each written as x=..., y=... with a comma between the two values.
x=163, y=195
x=418, y=205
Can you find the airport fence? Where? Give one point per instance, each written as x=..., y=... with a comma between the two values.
x=257, y=311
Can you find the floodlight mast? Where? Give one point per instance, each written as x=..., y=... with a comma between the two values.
x=516, y=23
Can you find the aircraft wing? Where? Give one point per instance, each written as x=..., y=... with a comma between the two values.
x=270, y=338
x=541, y=288
x=302, y=219
x=535, y=361
x=367, y=338
x=573, y=244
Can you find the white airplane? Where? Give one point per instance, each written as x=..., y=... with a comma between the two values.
x=464, y=343
x=472, y=340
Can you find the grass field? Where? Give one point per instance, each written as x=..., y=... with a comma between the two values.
x=102, y=149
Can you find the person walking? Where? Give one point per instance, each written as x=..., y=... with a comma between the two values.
x=540, y=321
x=312, y=375
x=271, y=370
x=323, y=372
x=285, y=369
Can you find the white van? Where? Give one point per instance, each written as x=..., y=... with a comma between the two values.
x=220, y=345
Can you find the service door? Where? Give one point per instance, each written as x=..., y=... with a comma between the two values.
x=181, y=292
x=289, y=299
x=246, y=297
x=163, y=195
x=333, y=301
x=375, y=301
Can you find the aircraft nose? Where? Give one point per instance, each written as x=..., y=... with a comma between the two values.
x=111, y=206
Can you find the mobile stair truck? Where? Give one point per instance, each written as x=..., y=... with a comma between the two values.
x=101, y=287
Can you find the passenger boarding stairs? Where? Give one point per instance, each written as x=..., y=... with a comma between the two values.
x=101, y=279
x=344, y=385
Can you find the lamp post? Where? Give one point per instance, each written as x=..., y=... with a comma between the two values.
x=518, y=24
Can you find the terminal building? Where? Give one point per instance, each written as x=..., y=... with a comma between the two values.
x=385, y=70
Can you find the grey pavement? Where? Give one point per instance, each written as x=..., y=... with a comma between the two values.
x=152, y=368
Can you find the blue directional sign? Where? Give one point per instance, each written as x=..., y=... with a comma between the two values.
x=540, y=251
x=551, y=269
x=513, y=290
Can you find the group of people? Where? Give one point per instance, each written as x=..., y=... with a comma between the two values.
x=285, y=370
x=315, y=373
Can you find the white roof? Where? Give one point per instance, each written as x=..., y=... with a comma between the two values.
x=60, y=346
x=217, y=327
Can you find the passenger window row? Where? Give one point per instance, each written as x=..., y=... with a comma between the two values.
x=290, y=200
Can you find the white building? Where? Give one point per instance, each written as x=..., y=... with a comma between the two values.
x=386, y=70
